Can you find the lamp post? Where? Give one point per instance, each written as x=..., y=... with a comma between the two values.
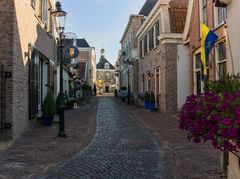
x=129, y=64
x=60, y=16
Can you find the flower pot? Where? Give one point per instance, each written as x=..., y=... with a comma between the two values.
x=47, y=120
x=152, y=106
x=146, y=104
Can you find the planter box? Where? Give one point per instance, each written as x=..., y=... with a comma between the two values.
x=47, y=120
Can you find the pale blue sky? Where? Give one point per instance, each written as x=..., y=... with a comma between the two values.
x=100, y=22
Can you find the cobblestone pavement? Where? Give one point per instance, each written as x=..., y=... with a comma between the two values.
x=120, y=149
x=39, y=149
x=183, y=159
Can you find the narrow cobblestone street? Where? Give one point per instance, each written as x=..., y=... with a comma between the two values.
x=120, y=149
x=108, y=139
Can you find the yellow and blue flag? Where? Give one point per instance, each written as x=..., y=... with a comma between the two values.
x=209, y=39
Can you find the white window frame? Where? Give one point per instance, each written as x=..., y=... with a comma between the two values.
x=224, y=13
x=157, y=72
x=195, y=71
x=217, y=59
x=154, y=36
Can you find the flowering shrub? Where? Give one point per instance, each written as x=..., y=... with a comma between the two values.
x=212, y=117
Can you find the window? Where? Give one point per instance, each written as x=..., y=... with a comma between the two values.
x=221, y=15
x=45, y=12
x=204, y=12
x=106, y=66
x=33, y=2
x=198, y=84
x=157, y=81
x=221, y=60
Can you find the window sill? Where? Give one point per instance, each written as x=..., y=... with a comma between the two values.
x=218, y=26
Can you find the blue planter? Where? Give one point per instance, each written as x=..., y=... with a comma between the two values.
x=47, y=120
x=146, y=104
x=152, y=106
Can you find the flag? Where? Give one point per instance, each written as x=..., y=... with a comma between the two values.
x=209, y=39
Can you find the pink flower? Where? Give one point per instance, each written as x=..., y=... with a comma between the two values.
x=226, y=121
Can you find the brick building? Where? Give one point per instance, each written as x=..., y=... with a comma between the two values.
x=160, y=45
x=105, y=75
x=86, y=61
x=27, y=51
x=215, y=18
x=129, y=45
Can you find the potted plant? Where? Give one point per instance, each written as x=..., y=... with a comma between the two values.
x=146, y=100
x=152, y=102
x=48, y=108
x=214, y=115
x=123, y=93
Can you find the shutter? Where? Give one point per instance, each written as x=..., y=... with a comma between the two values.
x=151, y=39
x=157, y=32
x=140, y=48
x=145, y=44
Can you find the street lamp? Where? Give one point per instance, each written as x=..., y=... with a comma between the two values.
x=59, y=15
x=129, y=65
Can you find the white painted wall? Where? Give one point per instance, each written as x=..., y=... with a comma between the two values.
x=233, y=29
x=183, y=81
x=233, y=15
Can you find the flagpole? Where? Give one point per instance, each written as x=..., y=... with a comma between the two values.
x=230, y=49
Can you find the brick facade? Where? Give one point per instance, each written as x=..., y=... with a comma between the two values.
x=129, y=44
x=20, y=30
x=163, y=56
x=195, y=38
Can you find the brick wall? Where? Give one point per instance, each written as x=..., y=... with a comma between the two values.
x=6, y=50
x=21, y=28
x=195, y=38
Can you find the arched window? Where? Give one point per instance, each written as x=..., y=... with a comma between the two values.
x=106, y=66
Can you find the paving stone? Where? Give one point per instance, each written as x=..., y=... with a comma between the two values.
x=120, y=149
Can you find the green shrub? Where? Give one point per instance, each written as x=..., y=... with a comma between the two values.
x=152, y=97
x=146, y=96
x=229, y=83
x=49, y=104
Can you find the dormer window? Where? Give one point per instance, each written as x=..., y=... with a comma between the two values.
x=106, y=66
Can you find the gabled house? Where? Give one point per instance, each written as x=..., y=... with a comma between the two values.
x=129, y=46
x=105, y=75
x=215, y=18
x=163, y=68
x=86, y=62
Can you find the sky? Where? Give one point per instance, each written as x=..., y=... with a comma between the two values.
x=100, y=22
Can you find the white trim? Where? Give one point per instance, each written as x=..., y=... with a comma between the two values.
x=188, y=21
x=171, y=38
x=195, y=71
x=217, y=59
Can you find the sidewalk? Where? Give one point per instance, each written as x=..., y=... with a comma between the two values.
x=39, y=149
x=184, y=160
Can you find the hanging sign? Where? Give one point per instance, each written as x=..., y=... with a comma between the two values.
x=71, y=52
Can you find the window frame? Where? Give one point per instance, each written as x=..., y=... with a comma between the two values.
x=222, y=61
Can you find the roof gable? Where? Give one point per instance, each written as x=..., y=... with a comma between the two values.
x=102, y=62
x=82, y=43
